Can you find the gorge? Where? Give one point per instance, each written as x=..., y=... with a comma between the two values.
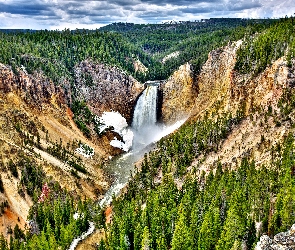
x=212, y=140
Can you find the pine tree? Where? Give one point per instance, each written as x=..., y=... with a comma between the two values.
x=145, y=243
x=3, y=243
x=234, y=229
x=210, y=230
x=52, y=242
x=182, y=237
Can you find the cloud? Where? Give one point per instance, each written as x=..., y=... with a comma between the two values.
x=240, y=6
x=197, y=10
x=44, y=14
x=179, y=2
x=26, y=8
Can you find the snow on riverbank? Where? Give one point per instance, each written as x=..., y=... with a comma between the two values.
x=118, y=122
x=85, y=150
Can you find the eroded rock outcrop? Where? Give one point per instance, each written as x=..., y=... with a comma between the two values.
x=215, y=80
x=35, y=89
x=221, y=88
x=106, y=88
x=139, y=66
x=34, y=116
x=179, y=95
x=281, y=241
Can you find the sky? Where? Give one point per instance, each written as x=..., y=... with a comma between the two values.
x=61, y=14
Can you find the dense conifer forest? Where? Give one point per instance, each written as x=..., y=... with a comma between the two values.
x=261, y=50
x=193, y=40
x=55, y=53
x=213, y=210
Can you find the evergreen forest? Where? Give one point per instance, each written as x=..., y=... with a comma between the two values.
x=55, y=53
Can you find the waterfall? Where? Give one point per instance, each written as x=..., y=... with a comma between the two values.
x=146, y=130
x=145, y=117
x=145, y=112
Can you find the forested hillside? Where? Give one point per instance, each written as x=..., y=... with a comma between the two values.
x=173, y=201
x=215, y=210
x=192, y=40
x=55, y=53
x=260, y=51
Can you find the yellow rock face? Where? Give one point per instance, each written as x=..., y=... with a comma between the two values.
x=179, y=95
x=215, y=80
x=33, y=106
x=221, y=89
x=218, y=89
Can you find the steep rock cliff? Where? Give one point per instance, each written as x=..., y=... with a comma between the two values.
x=284, y=241
x=36, y=90
x=106, y=88
x=215, y=81
x=222, y=89
x=179, y=93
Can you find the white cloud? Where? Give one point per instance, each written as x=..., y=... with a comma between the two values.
x=60, y=14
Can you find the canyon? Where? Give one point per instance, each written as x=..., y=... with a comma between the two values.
x=36, y=115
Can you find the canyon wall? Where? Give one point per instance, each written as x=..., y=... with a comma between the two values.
x=179, y=93
x=219, y=89
x=36, y=89
x=34, y=119
x=106, y=88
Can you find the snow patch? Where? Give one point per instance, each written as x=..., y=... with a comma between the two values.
x=85, y=150
x=24, y=69
x=172, y=55
x=113, y=119
x=76, y=216
x=116, y=121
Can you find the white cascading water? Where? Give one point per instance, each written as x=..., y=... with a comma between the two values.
x=145, y=112
x=144, y=124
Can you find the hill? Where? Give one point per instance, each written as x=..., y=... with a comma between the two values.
x=175, y=43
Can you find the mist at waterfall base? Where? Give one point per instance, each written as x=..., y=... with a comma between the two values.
x=152, y=133
x=145, y=130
